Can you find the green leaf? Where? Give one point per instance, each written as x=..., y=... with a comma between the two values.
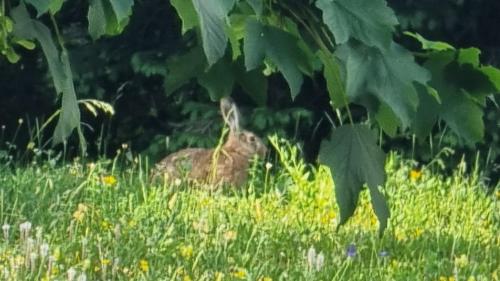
x=218, y=80
x=371, y=22
x=113, y=26
x=41, y=6
x=307, y=62
x=257, y=6
x=70, y=114
x=471, y=78
x=334, y=82
x=97, y=19
x=387, y=119
x=427, y=112
x=108, y=17
x=55, y=6
x=148, y=64
x=253, y=82
x=183, y=68
x=236, y=33
x=25, y=43
x=354, y=160
x=470, y=125
x=11, y=55
x=469, y=55
x=276, y=45
x=122, y=9
x=430, y=45
x=8, y=24
x=59, y=67
x=459, y=109
x=212, y=15
x=493, y=74
x=28, y=28
x=388, y=74
x=187, y=13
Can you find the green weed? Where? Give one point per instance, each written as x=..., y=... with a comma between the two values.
x=97, y=222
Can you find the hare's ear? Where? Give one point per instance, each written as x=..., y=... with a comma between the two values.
x=230, y=113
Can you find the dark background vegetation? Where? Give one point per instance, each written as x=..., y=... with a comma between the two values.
x=128, y=71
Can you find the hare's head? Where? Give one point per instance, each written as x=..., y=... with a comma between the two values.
x=243, y=141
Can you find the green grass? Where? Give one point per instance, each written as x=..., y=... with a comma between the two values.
x=442, y=228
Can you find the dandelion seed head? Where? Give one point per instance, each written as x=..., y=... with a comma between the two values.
x=25, y=226
x=320, y=261
x=71, y=273
x=311, y=257
x=82, y=277
x=269, y=166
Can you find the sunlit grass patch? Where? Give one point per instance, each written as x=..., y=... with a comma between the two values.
x=96, y=222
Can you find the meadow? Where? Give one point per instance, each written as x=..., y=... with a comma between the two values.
x=104, y=220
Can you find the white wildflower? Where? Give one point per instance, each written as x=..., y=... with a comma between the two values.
x=71, y=274
x=82, y=277
x=25, y=228
x=44, y=250
x=6, y=229
x=177, y=182
x=311, y=257
x=320, y=261
x=33, y=257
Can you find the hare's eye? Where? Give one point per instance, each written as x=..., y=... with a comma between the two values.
x=251, y=138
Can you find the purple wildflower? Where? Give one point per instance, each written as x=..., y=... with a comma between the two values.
x=383, y=254
x=351, y=251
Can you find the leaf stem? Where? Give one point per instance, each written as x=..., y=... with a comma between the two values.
x=58, y=33
x=321, y=44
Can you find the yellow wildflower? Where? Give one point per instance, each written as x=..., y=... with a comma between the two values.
x=57, y=254
x=79, y=214
x=172, y=201
x=327, y=218
x=186, y=251
x=239, y=273
x=30, y=145
x=186, y=278
x=258, y=212
x=18, y=260
x=462, y=261
x=106, y=225
x=132, y=223
x=230, y=235
x=266, y=279
x=415, y=174
x=109, y=180
x=144, y=265
x=218, y=276
x=86, y=264
x=105, y=261
x=400, y=235
x=418, y=232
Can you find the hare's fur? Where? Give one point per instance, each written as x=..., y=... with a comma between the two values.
x=225, y=165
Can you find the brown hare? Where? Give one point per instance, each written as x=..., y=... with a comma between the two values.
x=217, y=166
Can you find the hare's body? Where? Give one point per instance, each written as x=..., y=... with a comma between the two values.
x=227, y=165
